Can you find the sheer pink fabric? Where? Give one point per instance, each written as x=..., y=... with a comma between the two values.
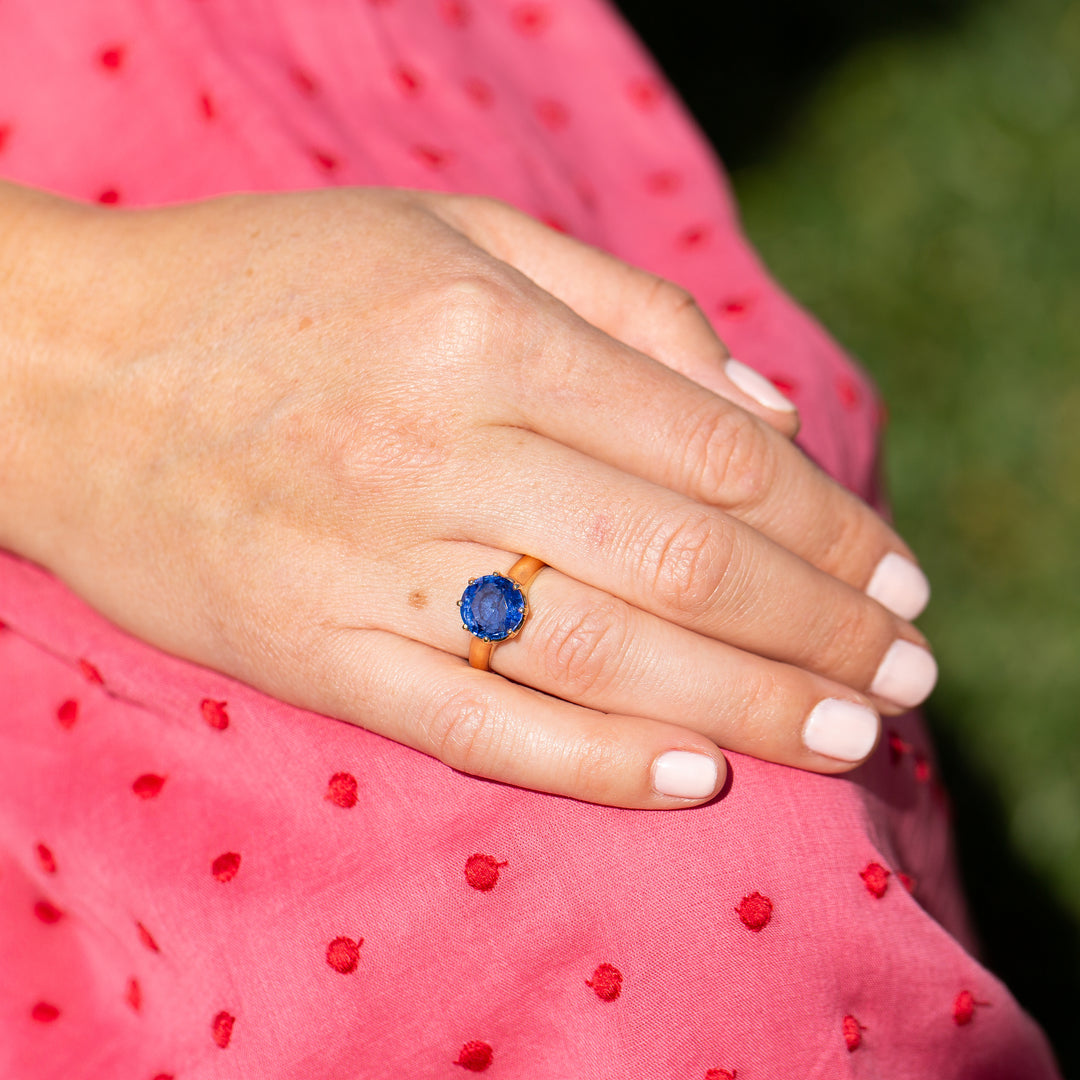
x=196, y=881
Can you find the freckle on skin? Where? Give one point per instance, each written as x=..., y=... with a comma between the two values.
x=305, y=322
x=418, y=599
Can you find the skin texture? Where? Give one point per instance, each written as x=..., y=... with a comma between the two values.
x=277, y=434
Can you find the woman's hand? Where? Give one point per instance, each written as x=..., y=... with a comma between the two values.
x=277, y=435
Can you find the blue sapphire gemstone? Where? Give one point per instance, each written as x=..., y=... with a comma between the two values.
x=493, y=607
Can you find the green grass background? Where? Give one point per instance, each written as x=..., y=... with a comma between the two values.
x=925, y=204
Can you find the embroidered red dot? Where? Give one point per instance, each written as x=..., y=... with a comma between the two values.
x=343, y=954
x=755, y=911
x=479, y=92
x=89, y=672
x=108, y=197
x=112, y=58
x=875, y=878
x=133, y=996
x=225, y=866
x=46, y=859
x=663, y=182
x=148, y=786
x=645, y=92
x=852, y=1033
x=164, y=1076
x=455, y=12
x=847, y=391
x=530, y=20
x=606, y=982
x=964, y=1008
x=692, y=238
x=146, y=938
x=923, y=771
x=303, y=81
x=736, y=307
x=552, y=222
x=342, y=790
x=214, y=713
x=5, y=134
x=326, y=161
x=221, y=1028
x=898, y=748
x=44, y=1013
x=552, y=114
x=47, y=913
x=207, y=106
x=474, y=1056
x=720, y=1074
x=67, y=712
x=785, y=385
x=907, y=881
x=482, y=872
x=431, y=156
x=407, y=80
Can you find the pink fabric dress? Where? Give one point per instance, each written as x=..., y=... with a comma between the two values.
x=199, y=882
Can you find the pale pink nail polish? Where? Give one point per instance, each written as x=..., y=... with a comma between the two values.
x=684, y=774
x=757, y=386
x=899, y=585
x=841, y=729
x=906, y=675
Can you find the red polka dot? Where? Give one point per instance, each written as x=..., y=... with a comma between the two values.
x=44, y=1013
x=48, y=913
x=907, y=881
x=645, y=92
x=342, y=790
x=46, y=859
x=146, y=938
x=221, y=1028
x=224, y=867
x=327, y=162
x=552, y=222
x=431, y=156
x=897, y=747
x=474, y=1056
x=530, y=20
x=148, y=786
x=112, y=57
x=606, y=982
x=455, y=12
x=164, y=1076
x=67, y=712
x=213, y=712
x=735, y=307
x=852, y=1033
x=784, y=384
x=875, y=878
x=207, y=106
x=692, y=238
x=923, y=772
x=720, y=1074
x=847, y=391
x=407, y=80
x=553, y=115
x=89, y=672
x=5, y=134
x=133, y=996
x=964, y=1008
x=482, y=872
x=108, y=197
x=479, y=92
x=343, y=954
x=755, y=911
x=663, y=182
x=303, y=81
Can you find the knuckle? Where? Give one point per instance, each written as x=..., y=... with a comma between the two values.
x=672, y=301
x=583, y=647
x=733, y=456
x=847, y=644
x=464, y=729
x=690, y=561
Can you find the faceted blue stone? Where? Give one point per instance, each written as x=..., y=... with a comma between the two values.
x=493, y=607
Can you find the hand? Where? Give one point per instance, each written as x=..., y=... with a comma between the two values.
x=288, y=429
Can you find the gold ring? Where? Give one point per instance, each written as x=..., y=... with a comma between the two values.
x=494, y=607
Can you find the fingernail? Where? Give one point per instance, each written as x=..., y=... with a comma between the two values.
x=684, y=775
x=899, y=585
x=841, y=729
x=757, y=386
x=906, y=675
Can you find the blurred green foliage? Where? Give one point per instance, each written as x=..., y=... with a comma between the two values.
x=925, y=204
